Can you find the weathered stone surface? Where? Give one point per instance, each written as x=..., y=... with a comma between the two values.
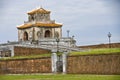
x=94, y=64
x=113, y=45
x=25, y=51
x=39, y=65
x=83, y=64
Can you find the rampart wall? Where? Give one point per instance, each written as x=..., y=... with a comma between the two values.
x=22, y=66
x=26, y=51
x=94, y=64
x=112, y=45
x=82, y=64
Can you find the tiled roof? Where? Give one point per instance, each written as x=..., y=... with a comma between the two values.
x=28, y=25
x=40, y=10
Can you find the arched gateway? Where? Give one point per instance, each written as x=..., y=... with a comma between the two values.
x=47, y=34
x=39, y=19
x=25, y=36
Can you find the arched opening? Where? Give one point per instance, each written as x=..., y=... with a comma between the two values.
x=47, y=34
x=32, y=18
x=25, y=37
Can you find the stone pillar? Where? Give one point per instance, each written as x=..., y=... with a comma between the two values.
x=12, y=50
x=54, y=60
x=64, y=57
x=0, y=53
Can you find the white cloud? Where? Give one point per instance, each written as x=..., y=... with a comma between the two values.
x=82, y=17
x=82, y=7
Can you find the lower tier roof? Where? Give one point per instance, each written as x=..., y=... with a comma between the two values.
x=38, y=24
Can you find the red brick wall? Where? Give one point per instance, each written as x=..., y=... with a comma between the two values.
x=84, y=64
x=94, y=64
x=113, y=45
x=25, y=51
x=39, y=65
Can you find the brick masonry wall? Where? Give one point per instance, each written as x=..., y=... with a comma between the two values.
x=113, y=45
x=83, y=64
x=94, y=64
x=39, y=65
x=25, y=51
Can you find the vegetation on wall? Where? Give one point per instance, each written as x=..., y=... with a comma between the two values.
x=97, y=51
x=26, y=57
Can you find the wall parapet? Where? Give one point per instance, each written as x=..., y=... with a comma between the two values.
x=82, y=64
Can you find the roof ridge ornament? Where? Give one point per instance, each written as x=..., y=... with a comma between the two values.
x=40, y=10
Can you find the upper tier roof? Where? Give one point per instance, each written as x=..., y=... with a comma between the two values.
x=37, y=24
x=39, y=10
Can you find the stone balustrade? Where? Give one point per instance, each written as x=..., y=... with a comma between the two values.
x=64, y=44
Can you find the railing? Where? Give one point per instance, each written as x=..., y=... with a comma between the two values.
x=9, y=43
x=44, y=45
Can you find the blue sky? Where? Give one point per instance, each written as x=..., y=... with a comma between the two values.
x=88, y=20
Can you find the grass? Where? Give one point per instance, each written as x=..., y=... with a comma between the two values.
x=97, y=51
x=60, y=77
x=86, y=52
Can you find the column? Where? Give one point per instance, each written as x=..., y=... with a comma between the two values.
x=0, y=54
x=12, y=50
x=64, y=55
x=54, y=60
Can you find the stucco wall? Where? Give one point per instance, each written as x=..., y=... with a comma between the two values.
x=38, y=29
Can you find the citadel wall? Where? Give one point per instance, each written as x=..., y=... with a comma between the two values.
x=94, y=64
x=83, y=64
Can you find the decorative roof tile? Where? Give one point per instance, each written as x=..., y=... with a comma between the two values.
x=39, y=10
x=28, y=25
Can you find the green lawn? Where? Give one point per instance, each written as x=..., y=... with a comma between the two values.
x=60, y=77
x=97, y=51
